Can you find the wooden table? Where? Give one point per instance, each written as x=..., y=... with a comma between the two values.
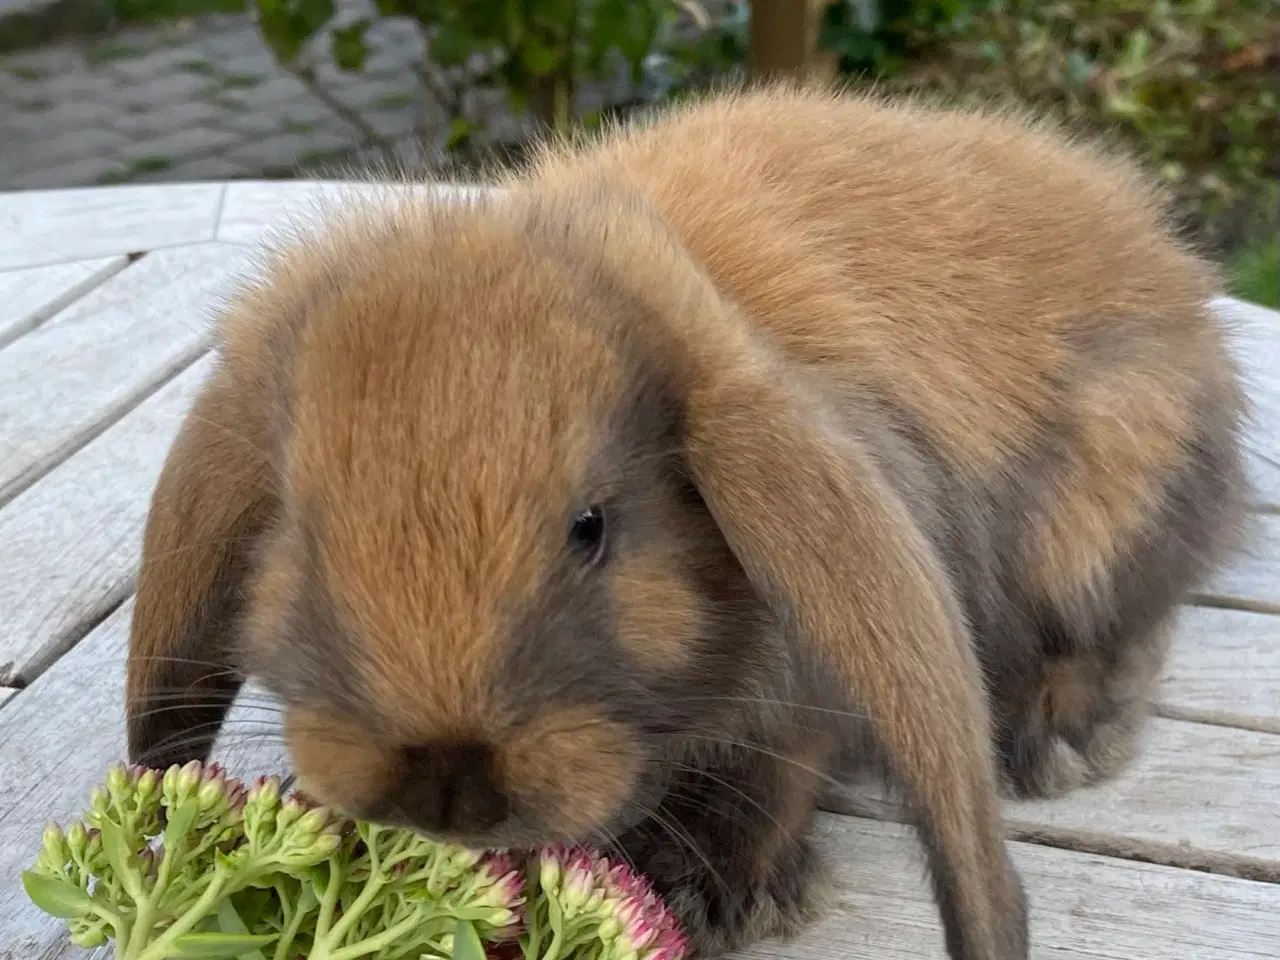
x=105, y=301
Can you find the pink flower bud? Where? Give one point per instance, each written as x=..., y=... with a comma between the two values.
x=189, y=776
x=212, y=794
x=671, y=945
x=579, y=884
x=265, y=792
x=549, y=870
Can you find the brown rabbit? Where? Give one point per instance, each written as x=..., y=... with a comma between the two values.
x=624, y=503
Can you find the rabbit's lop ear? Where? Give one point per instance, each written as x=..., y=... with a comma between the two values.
x=832, y=548
x=208, y=509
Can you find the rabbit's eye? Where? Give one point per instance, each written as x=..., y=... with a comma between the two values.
x=588, y=533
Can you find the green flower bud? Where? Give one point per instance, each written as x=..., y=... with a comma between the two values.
x=312, y=822
x=189, y=777
x=55, y=846
x=291, y=811
x=93, y=848
x=327, y=843
x=86, y=935
x=99, y=801
x=117, y=779
x=549, y=873
x=610, y=928
x=77, y=841
x=169, y=782
x=463, y=859
x=148, y=785
x=212, y=796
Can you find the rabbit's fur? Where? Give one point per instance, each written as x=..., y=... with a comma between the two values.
x=911, y=428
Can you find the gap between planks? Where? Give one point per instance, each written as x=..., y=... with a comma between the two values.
x=30, y=297
x=72, y=377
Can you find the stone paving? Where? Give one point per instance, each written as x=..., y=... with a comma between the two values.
x=202, y=99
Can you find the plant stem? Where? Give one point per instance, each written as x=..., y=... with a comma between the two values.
x=329, y=899
x=295, y=920
x=372, y=944
x=307, y=75
x=355, y=912
x=197, y=912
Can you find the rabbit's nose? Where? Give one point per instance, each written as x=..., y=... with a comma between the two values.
x=451, y=788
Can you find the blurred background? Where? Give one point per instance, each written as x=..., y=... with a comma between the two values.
x=116, y=91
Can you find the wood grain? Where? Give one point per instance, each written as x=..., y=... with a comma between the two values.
x=1224, y=668
x=1252, y=581
x=73, y=376
x=1082, y=905
x=30, y=297
x=68, y=225
x=72, y=541
x=1256, y=337
x=1198, y=795
x=256, y=209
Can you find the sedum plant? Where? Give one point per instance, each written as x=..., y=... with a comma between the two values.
x=190, y=863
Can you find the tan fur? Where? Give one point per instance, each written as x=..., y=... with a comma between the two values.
x=658, y=622
x=575, y=763
x=333, y=758
x=427, y=389
x=974, y=217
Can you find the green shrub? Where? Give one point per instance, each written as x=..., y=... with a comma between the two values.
x=1189, y=83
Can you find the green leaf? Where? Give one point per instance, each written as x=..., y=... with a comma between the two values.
x=538, y=58
x=349, y=48
x=229, y=921
x=556, y=916
x=315, y=13
x=176, y=839
x=466, y=943
x=56, y=897
x=459, y=130
x=121, y=856
x=218, y=946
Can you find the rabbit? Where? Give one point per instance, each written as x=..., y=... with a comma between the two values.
x=633, y=501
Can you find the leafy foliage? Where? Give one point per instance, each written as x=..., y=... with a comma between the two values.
x=189, y=864
x=1189, y=83
x=535, y=52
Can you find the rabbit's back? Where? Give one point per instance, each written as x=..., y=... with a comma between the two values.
x=1011, y=302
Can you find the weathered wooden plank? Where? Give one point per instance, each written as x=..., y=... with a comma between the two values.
x=254, y=209
x=1252, y=580
x=1198, y=796
x=50, y=758
x=72, y=541
x=1224, y=668
x=1081, y=904
x=71, y=377
x=29, y=297
x=63, y=226
x=1256, y=338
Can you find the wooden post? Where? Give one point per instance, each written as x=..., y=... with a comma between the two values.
x=784, y=41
